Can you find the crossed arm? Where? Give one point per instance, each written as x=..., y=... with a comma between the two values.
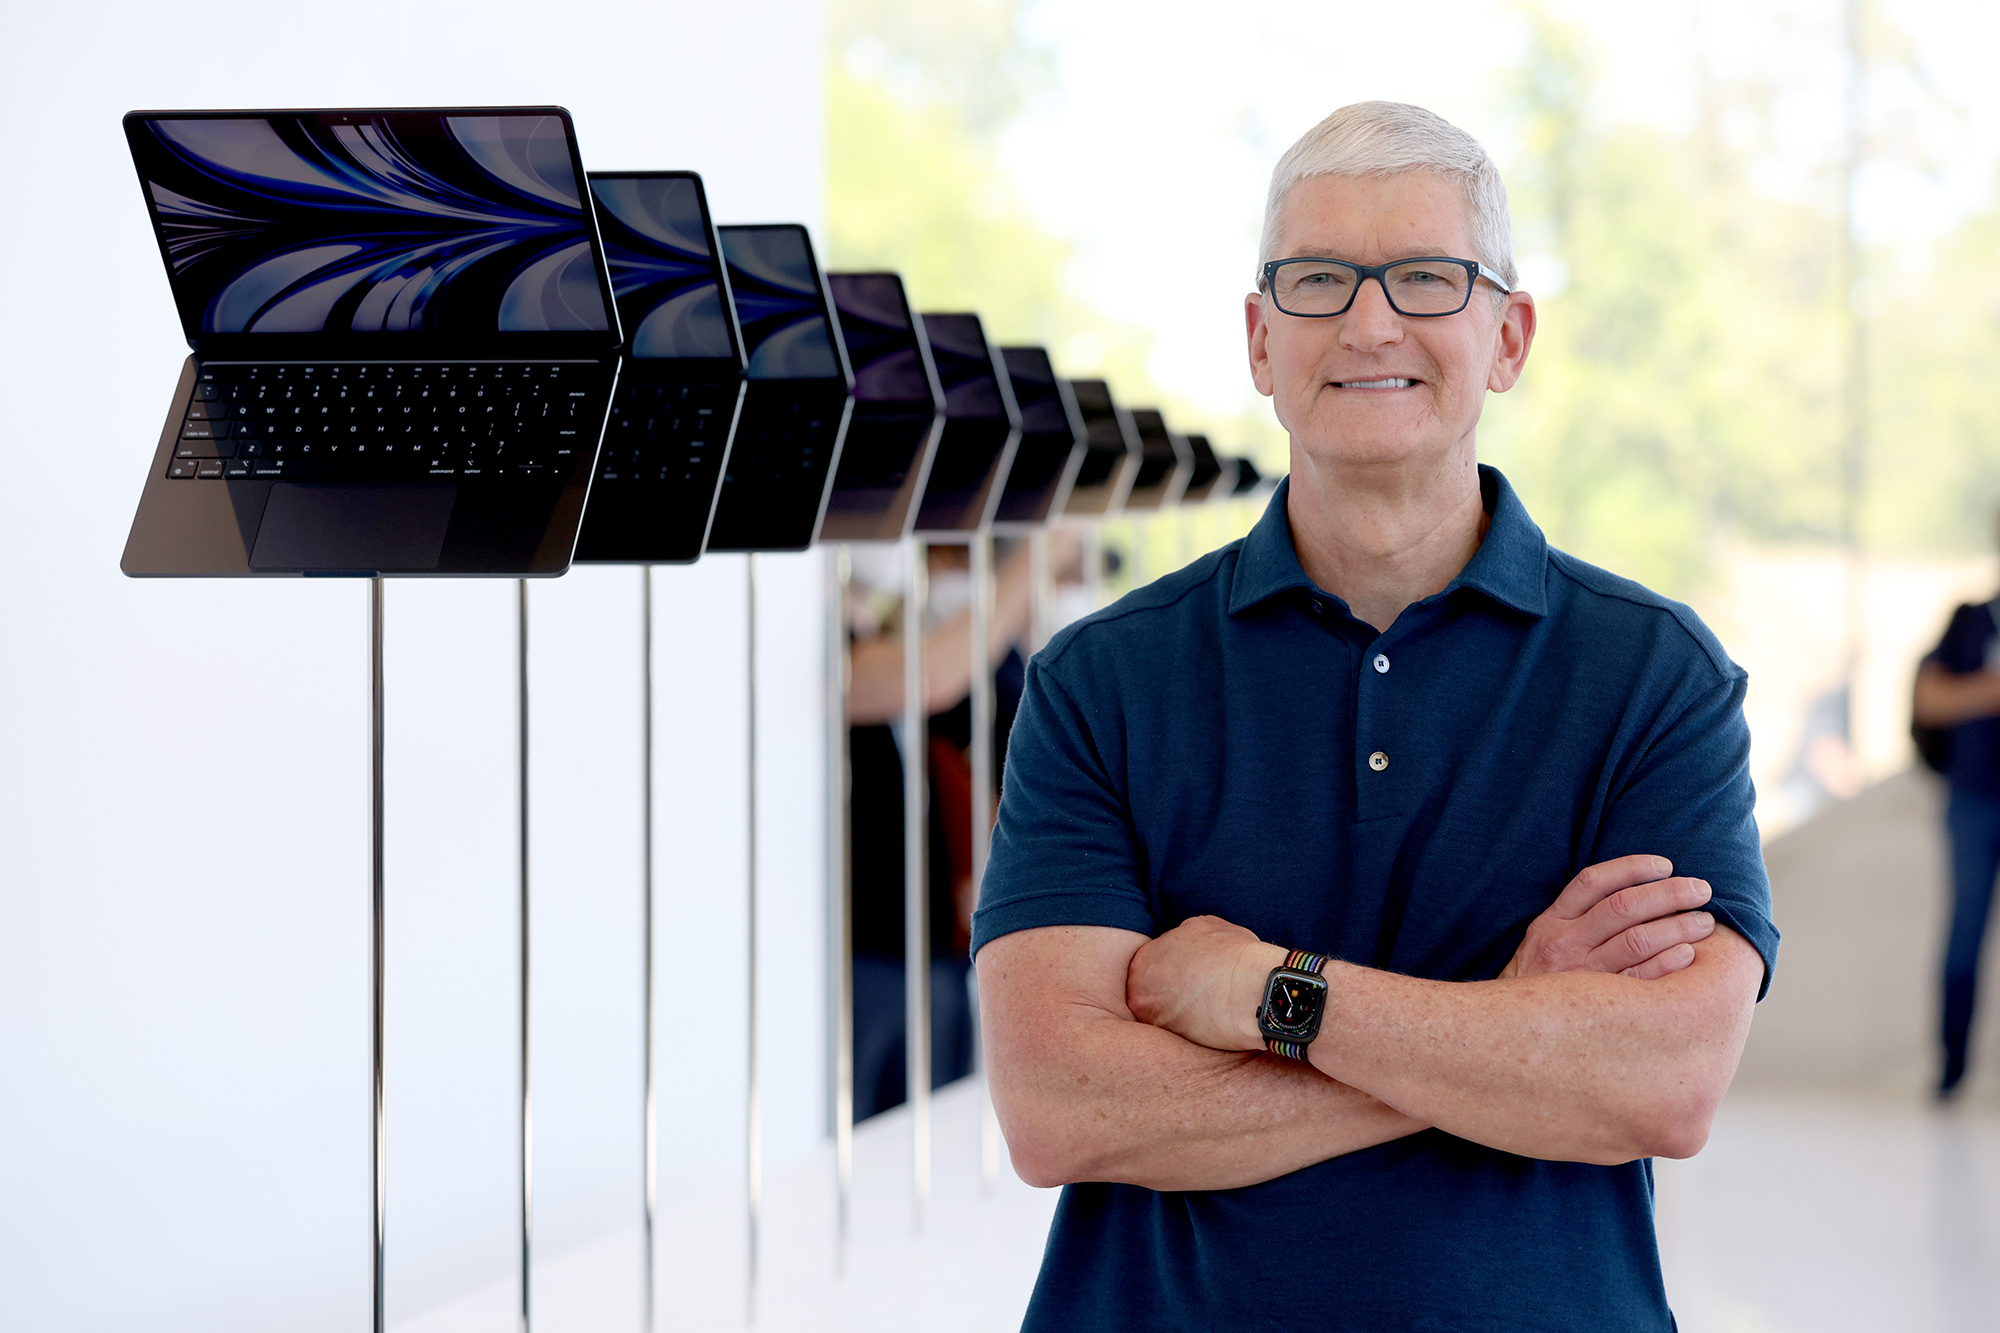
x=1945, y=698
x=876, y=670
x=1611, y=1035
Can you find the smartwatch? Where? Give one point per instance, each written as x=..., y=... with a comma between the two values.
x=1294, y=1002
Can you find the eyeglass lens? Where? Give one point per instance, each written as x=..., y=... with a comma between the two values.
x=1420, y=287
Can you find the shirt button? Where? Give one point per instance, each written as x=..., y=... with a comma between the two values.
x=1381, y=664
x=1319, y=607
x=1378, y=761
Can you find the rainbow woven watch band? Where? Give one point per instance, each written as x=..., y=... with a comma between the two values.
x=1301, y=961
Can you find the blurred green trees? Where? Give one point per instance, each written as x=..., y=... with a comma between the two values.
x=917, y=94
x=1687, y=381
x=1934, y=474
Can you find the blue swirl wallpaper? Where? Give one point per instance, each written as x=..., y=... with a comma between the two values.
x=778, y=304
x=881, y=338
x=964, y=366
x=1033, y=380
x=662, y=270
x=399, y=222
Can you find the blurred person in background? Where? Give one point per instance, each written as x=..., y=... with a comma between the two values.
x=1373, y=897
x=875, y=710
x=1958, y=689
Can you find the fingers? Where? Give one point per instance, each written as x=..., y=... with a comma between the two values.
x=1648, y=940
x=1636, y=905
x=1644, y=902
x=1593, y=884
x=1663, y=964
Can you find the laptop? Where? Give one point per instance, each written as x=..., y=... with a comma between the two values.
x=982, y=425
x=1206, y=476
x=1052, y=442
x=1247, y=479
x=403, y=342
x=797, y=401
x=898, y=411
x=1111, y=453
x=681, y=387
x=1165, y=464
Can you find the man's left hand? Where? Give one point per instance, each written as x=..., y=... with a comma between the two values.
x=1204, y=979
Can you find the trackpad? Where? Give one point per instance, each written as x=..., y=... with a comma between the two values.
x=362, y=529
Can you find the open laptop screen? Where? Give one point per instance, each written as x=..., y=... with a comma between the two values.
x=780, y=303
x=459, y=225
x=964, y=366
x=1052, y=435
x=1036, y=391
x=664, y=268
x=882, y=343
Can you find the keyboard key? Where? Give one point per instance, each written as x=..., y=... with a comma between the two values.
x=208, y=467
x=181, y=467
x=392, y=420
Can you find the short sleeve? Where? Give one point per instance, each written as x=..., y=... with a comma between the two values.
x=1963, y=647
x=1689, y=798
x=1064, y=850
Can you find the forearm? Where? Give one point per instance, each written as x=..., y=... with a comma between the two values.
x=1943, y=698
x=1132, y=1103
x=1578, y=1066
x=1086, y=1092
x=875, y=671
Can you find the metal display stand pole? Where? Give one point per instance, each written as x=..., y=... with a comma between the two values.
x=378, y=1143
x=1093, y=566
x=840, y=878
x=916, y=886
x=527, y=1103
x=982, y=794
x=1041, y=589
x=753, y=1130
x=650, y=1152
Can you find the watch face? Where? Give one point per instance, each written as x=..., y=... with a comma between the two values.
x=1292, y=1002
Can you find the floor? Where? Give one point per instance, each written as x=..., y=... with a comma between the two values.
x=969, y=1267
x=1818, y=1214
x=1806, y=1214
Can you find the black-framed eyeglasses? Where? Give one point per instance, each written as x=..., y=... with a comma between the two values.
x=1428, y=287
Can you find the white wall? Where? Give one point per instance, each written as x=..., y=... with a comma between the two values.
x=183, y=765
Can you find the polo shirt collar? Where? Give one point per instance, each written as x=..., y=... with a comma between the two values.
x=1510, y=566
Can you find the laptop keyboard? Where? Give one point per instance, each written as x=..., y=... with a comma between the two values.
x=667, y=432
x=784, y=442
x=389, y=421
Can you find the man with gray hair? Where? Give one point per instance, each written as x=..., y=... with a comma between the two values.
x=1373, y=898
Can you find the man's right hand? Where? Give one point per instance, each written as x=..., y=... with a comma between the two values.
x=1625, y=916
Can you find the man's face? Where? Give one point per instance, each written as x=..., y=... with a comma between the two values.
x=1371, y=386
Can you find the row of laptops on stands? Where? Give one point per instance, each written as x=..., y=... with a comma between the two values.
x=407, y=358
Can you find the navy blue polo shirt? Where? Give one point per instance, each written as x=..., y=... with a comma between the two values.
x=1967, y=646
x=1204, y=746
